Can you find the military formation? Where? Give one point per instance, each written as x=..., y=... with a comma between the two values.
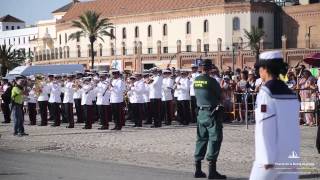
x=156, y=97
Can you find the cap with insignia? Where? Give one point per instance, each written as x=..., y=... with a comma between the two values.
x=166, y=71
x=270, y=57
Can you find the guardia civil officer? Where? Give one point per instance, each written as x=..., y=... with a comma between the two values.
x=277, y=133
x=209, y=125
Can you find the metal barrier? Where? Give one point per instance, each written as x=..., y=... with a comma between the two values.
x=309, y=103
x=244, y=103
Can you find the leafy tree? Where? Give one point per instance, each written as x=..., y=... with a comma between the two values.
x=10, y=58
x=254, y=37
x=94, y=27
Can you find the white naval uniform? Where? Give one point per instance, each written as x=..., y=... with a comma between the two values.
x=184, y=89
x=88, y=95
x=45, y=91
x=167, y=86
x=117, y=90
x=103, y=93
x=68, y=92
x=277, y=135
x=55, y=93
x=193, y=77
x=146, y=93
x=155, y=87
x=137, y=91
x=176, y=91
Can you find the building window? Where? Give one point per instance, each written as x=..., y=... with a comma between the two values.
x=100, y=49
x=136, y=32
x=206, y=47
x=112, y=49
x=165, y=49
x=68, y=52
x=124, y=51
x=124, y=33
x=149, y=50
x=78, y=38
x=206, y=26
x=165, y=30
x=65, y=38
x=60, y=39
x=189, y=48
x=188, y=27
x=149, y=31
x=7, y=27
x=24, y=40
x=112, y=33
x=18, y=27
x=236, y=24
x=260, y=23
x=18, y=40
x=12, y=27
x=79, y=51
x=60, y=52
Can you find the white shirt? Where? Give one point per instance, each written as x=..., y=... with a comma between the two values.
x=155, y=87
x=45, y=91
x=146, y=93
x=55, y=93
x=103, y=93
x=88, y=94
x=176, y=91
x=277, y=132
x=167, y=86
x=193, y=77
x=117, y=90
x=136, y=92
x=68, y=92
x=184, y=89
x=32, y=98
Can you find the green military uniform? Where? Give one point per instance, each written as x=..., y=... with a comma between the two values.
x=209, y=126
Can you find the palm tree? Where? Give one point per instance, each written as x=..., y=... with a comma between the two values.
x=10, y=59
x=93, y=27
x=254, y=37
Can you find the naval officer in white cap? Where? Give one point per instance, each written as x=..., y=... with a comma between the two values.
x=277, y=133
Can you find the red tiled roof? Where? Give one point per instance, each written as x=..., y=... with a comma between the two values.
x=110, y=8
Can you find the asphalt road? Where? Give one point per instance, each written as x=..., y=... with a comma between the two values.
x=36, y=166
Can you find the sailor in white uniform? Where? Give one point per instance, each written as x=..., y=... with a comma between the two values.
x=194, y=108
x=103, y=101
x=55, y=100
x=277, y=133
x=68, y=100
x=167, y=97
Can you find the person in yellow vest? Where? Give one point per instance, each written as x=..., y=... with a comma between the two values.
x=17, y=97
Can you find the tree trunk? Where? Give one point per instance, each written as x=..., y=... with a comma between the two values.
x=3, y=70
x=92, y=56
x=257, y=54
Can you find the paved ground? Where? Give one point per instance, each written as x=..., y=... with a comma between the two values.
x=165, y=148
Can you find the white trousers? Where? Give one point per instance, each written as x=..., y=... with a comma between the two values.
x=258, y=172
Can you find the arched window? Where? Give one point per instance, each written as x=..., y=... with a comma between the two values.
x=165, y=30
x=56, y=53
x=59, y=39
x=136, y=32
x=112, y=49
x=100, y=49
x=124, y=33
x=60, y=52
x=236, y=24
x=68, y=52
x=149, y=31
x=206, y=26
x=112, y=33
x=260, y=23
x=188, y=28
x=79, y=50
x=65, y=38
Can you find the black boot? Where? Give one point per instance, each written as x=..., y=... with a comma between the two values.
x=213, y=174
x=198, y=172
